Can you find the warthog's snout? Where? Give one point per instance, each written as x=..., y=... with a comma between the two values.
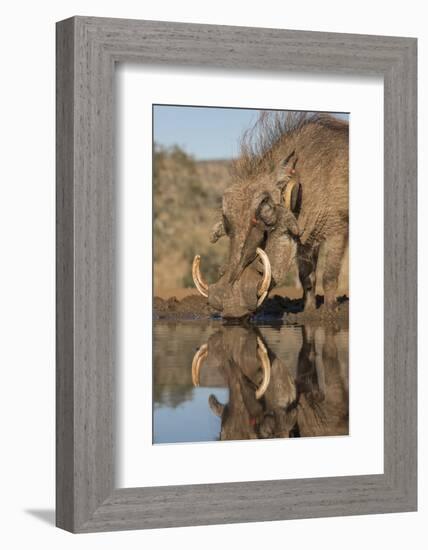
x=241, y=297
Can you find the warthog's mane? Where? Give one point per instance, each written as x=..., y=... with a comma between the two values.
x=260, y=144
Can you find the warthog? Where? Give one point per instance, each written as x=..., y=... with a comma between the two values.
x=265, y=400
x=289, y=195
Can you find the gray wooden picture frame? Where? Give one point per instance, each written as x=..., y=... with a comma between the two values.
x=87, y=50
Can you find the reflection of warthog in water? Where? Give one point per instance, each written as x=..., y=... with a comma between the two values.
x=290, y=195
x=321, y=387
x=265, y=400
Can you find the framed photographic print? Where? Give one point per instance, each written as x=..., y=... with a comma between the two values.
x=261, y=206
x=236, y=274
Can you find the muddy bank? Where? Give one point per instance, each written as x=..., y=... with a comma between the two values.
x=321, y=316
x=192, y=307
x=275, y=309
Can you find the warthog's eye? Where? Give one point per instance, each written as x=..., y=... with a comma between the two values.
x=266, y=211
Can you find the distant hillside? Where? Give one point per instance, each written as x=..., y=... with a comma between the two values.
x=187, y=203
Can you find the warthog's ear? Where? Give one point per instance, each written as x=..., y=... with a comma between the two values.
x=286, y=170
x=292, y=195
x=217, y=232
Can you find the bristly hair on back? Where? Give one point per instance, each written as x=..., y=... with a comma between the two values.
x=260, y=142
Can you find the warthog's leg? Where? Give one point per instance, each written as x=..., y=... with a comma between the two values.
x=335, y=247
x=307, y=258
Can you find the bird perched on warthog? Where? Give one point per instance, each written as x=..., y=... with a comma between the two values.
x=289, y=195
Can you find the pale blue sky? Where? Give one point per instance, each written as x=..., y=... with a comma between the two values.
x=203, y=132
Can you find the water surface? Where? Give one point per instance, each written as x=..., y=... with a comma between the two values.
x=304, y=386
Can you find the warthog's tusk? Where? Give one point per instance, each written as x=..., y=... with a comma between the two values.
x=264, y=358
x=197, y=361
x=267, y=276
x=200, y=284
x=202, y=353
